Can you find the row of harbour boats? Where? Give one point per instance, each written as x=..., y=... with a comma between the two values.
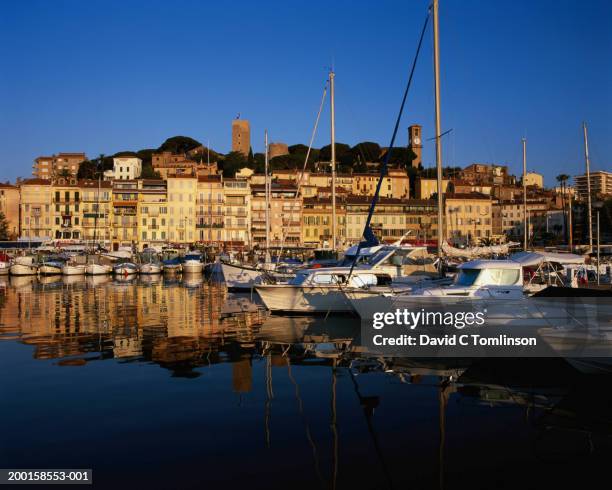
x=122, y=263
x=514, y=289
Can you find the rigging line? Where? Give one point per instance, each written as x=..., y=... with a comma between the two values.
x=383, y=169
x=299, y=182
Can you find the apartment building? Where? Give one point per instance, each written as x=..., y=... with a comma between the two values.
x=509, y=218
x=97, y=207
x=209, y=209
x=182, y=192
x=152, y=213
x=317, y=219
x=237, y=212
x=126, y=168
x=392, y=219
x=62, y=164
x=9, y=207
x=285, y=214
x=67, y=209
x=36, y=213
x=601, y=185
x=396, y=184
x=468, y=218
x=124, y=231
x=425, y=187
x=487, y=173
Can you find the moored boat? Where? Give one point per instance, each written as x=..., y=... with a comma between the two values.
x=24, y=266
x=192, y=263
x=125, y=268
x=73, y=269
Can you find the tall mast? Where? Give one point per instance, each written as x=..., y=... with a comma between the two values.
x=588, y=178
x=267, y=192
x=525, y=225
x=438, y=124
x=333, y=155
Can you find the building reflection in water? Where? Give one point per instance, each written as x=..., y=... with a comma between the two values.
x=184, y=324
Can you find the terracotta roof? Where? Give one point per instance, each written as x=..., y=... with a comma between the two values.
x=35, y=182
x=468, y=195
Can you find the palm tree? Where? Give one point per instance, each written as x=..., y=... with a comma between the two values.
x=562, y=179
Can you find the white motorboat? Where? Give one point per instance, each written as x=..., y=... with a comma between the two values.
x=192, y=263
x=73, y=269
x=318, y=290
x=239, y=276
x=24, y=266
x=492, y=287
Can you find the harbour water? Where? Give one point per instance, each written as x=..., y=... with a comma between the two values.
x=176, y=383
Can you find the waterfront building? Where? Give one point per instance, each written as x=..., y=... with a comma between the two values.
x=509, y=218
x=181, y=208
x=126, y=168
x=67, y=210
x=209, y=209
x=601, y=185
x=392, y=218
x=425, y=187
x=317, y=221
x=236, y=231
x=62, y=164
x=35, y=209
x=468, y=218
x=125, y=214
x=321, y=180
x=9, y=207
x=241, y=136
x=97, y=207
x=285, y=214
x=152, y=213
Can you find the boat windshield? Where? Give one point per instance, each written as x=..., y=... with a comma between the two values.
x=487, y=277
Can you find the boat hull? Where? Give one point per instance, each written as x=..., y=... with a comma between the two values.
x=193, y=267
x=23, y=270
x=49, y=270
x=73, y=270
x=4, y=268
x=97, y=269
x=239, y=277
x=150, y=269
x=125, y=270
x=300, y=299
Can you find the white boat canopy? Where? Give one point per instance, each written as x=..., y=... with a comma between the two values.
x=531, y=259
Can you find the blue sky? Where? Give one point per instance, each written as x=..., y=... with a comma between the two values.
x=105, y=76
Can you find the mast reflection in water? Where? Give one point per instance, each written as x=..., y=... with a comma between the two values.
x=158, y=383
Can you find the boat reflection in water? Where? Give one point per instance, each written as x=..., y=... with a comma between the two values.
x=151, y=377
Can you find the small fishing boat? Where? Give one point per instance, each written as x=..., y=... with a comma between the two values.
x=71, y=268
x=51, y=265
x=124, y=267
x=238, y=276
x=24, y=266
x=149, y=263
x=173, y=265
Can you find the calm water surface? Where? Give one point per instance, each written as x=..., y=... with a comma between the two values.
x=158, y=383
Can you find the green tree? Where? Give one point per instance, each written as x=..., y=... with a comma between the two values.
x=179, y=144
x=148, y=172
x=233, y=162
x=368, y=151
x=341, y=149
x=4, y=227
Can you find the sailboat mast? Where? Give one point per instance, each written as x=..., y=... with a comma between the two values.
x=332, y=111
x=267, y=192
x=587, y=162
x=525, y=226
x=436, y=47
